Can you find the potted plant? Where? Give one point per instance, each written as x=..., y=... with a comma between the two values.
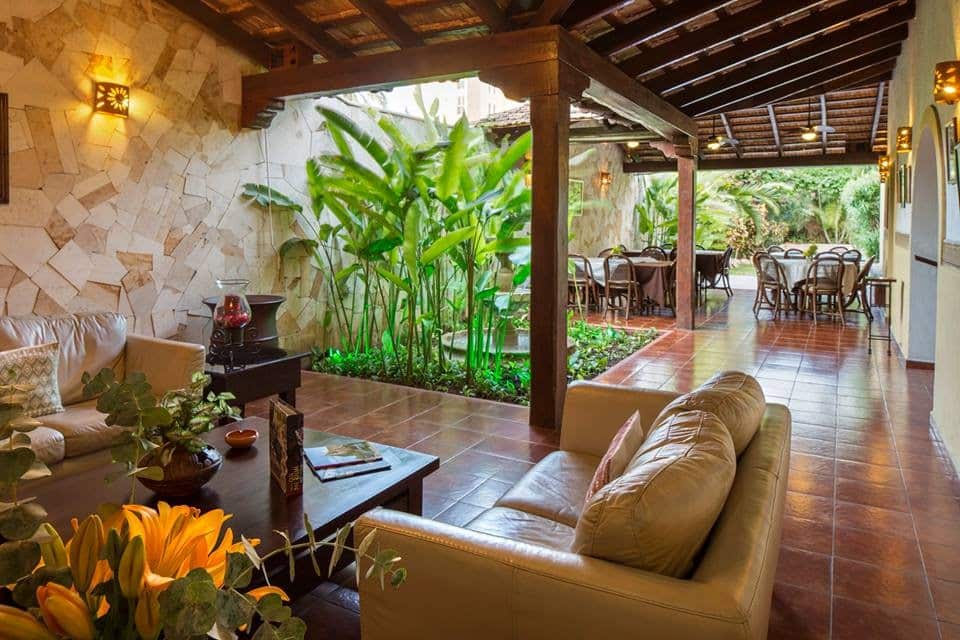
x=811, y=251
x=162, y=444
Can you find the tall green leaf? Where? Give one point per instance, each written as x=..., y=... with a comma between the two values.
x=445, y=242
x=367, y=142
x=453, y=160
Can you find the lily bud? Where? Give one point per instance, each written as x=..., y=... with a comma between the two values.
x=85, y=551
x=132, y=566
x=146, y=617
x=52, y=551
x=65, y=612
x=16, y=624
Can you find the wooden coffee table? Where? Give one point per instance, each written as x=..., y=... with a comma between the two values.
x=269, y=372
x=243, y=487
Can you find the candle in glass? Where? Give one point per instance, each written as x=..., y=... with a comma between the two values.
x=231, y=313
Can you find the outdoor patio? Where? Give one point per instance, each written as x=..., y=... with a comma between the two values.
x=873, y=509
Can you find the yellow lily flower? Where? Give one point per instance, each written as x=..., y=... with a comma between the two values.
x=146, y=617
x=64, y=612
x=16, y=624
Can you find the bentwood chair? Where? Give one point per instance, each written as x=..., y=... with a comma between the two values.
x=822, y=289
x=793, y=253
x=839, y=250
x=715, y=274
x=775, y=248
x=773, y=288
x=581, y=286
x=667, y=247
x=656, y=253
x=859, y=293
x=620, y=288
x=609, y=251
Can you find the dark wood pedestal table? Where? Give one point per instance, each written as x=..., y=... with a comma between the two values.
x=243, y=487
x=269, y=372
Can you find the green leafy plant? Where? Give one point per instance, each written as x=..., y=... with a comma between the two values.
x=811, y=251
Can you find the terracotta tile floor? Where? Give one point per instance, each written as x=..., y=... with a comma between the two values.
x=871, y=541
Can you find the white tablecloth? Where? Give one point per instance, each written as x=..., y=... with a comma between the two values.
x=796, y=270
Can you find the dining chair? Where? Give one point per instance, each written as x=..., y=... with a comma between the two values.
x=581, y=285
x=700, y=247
x=620, y=286
x=711, y=274
x=773, y=289
x=725, y=270
x=654, y=252
x=793, y=252
x=775, y=248
x=854, y=256
x=822, y=289
x=839, y=250
x=609, y=251
x=667, y=247
x=859, y=293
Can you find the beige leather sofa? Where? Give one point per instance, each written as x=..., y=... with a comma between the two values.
x=90, y=342
x=509, y=573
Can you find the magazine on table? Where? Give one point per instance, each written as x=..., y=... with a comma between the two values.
x=350, y=453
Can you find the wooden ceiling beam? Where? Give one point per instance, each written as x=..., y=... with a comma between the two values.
x=823, y=122
x=834, y=159
x=730, y=28
x=225, y=29
x=652, y=24
x=799, y=30
x=583, y=12
x=729, y=130
x=550, y=12
x=810, y=73
x=775, y=128
x=302, y=28
x=491, y=14
x=876, y=113
x=818, y=48
x=388, y=21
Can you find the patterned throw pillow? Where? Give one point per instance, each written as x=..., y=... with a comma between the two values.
x=623, y=447
x=37, y=367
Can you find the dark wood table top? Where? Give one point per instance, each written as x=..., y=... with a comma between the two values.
x=267, y=356
x=243, y=487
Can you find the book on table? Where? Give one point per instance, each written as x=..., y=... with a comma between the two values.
x=353, y=452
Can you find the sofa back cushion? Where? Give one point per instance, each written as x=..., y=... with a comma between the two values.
x=657, y=515
x=734, y=397
x=88, y=342
x=623, y=447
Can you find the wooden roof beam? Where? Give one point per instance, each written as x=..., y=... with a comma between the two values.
x=783, y=61
x=799, y=30
x=720, y=164
x=583, y=12
x=489, y=11
x=729, y=130
x=650, y=25
x=775, y=128
x=874, y=127
x=729, y=28
x=830, y=66
x=226, y=30
x=823, y=122
x=302, y=28
x=388, y=21
x=550, y=12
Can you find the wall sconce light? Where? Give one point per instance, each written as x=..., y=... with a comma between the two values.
x=883, y=165
x=904, y=139
x=605, y=180
x=946, y=81
x=112, y=98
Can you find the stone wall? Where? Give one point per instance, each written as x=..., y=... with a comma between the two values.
x=608, y=217
x=140, y=215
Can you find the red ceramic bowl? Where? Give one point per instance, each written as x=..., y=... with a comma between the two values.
x=241, y=438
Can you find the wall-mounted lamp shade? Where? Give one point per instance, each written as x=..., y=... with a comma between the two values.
x=112, y=98
x=946, y=82
x=883, y=163
x=904, y=139
x=605, y=179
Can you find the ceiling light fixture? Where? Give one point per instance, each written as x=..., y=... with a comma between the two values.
x=809, y=132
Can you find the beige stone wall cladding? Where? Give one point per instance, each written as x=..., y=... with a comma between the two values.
x=608, y=217
x=138, y=215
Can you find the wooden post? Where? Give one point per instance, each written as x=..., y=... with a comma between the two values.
x=550, y=121
x=686, y=238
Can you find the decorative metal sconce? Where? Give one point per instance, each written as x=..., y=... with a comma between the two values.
x=605, y=180
x=883, y=165
x=946, y=81
x=112, y=98
x=904, y=139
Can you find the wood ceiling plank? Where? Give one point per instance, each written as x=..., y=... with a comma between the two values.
x=787, y=35
x=389, y=21
x=583, y=12
x=491, y=14
x=302, y=28
x=223, y=27
x=653, y=24
x=550, y=12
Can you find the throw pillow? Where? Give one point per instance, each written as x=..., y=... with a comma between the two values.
x=621, y=450
x=35, y=367
x=658, y=514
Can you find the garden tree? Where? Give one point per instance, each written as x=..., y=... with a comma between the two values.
x=861, y=200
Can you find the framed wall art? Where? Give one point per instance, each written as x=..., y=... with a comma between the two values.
x=949, y=143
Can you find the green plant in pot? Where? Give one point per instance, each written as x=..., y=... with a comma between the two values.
x=161, y=444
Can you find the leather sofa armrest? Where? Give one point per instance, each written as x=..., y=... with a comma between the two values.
x=469, y=585
x=593, y=412
x=168, y=364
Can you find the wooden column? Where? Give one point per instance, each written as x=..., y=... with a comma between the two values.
x=686, y=238
x=550, y=121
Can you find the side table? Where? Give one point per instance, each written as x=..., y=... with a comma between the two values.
x=884, y=287
x=269, y=372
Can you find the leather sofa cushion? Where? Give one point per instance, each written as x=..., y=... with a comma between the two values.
x=623, y=447
x=83, y=428
x=88, y=342
x=734, y=397
x=48, y=444
x=555, y=488
x=523, y=526
x=658, y=514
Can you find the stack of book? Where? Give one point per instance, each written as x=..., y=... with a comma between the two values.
x=344, y=460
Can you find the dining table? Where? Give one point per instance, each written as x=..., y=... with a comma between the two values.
x=796, y=270
x=649, y=272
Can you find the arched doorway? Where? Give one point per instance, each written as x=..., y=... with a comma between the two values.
x=924, y=250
